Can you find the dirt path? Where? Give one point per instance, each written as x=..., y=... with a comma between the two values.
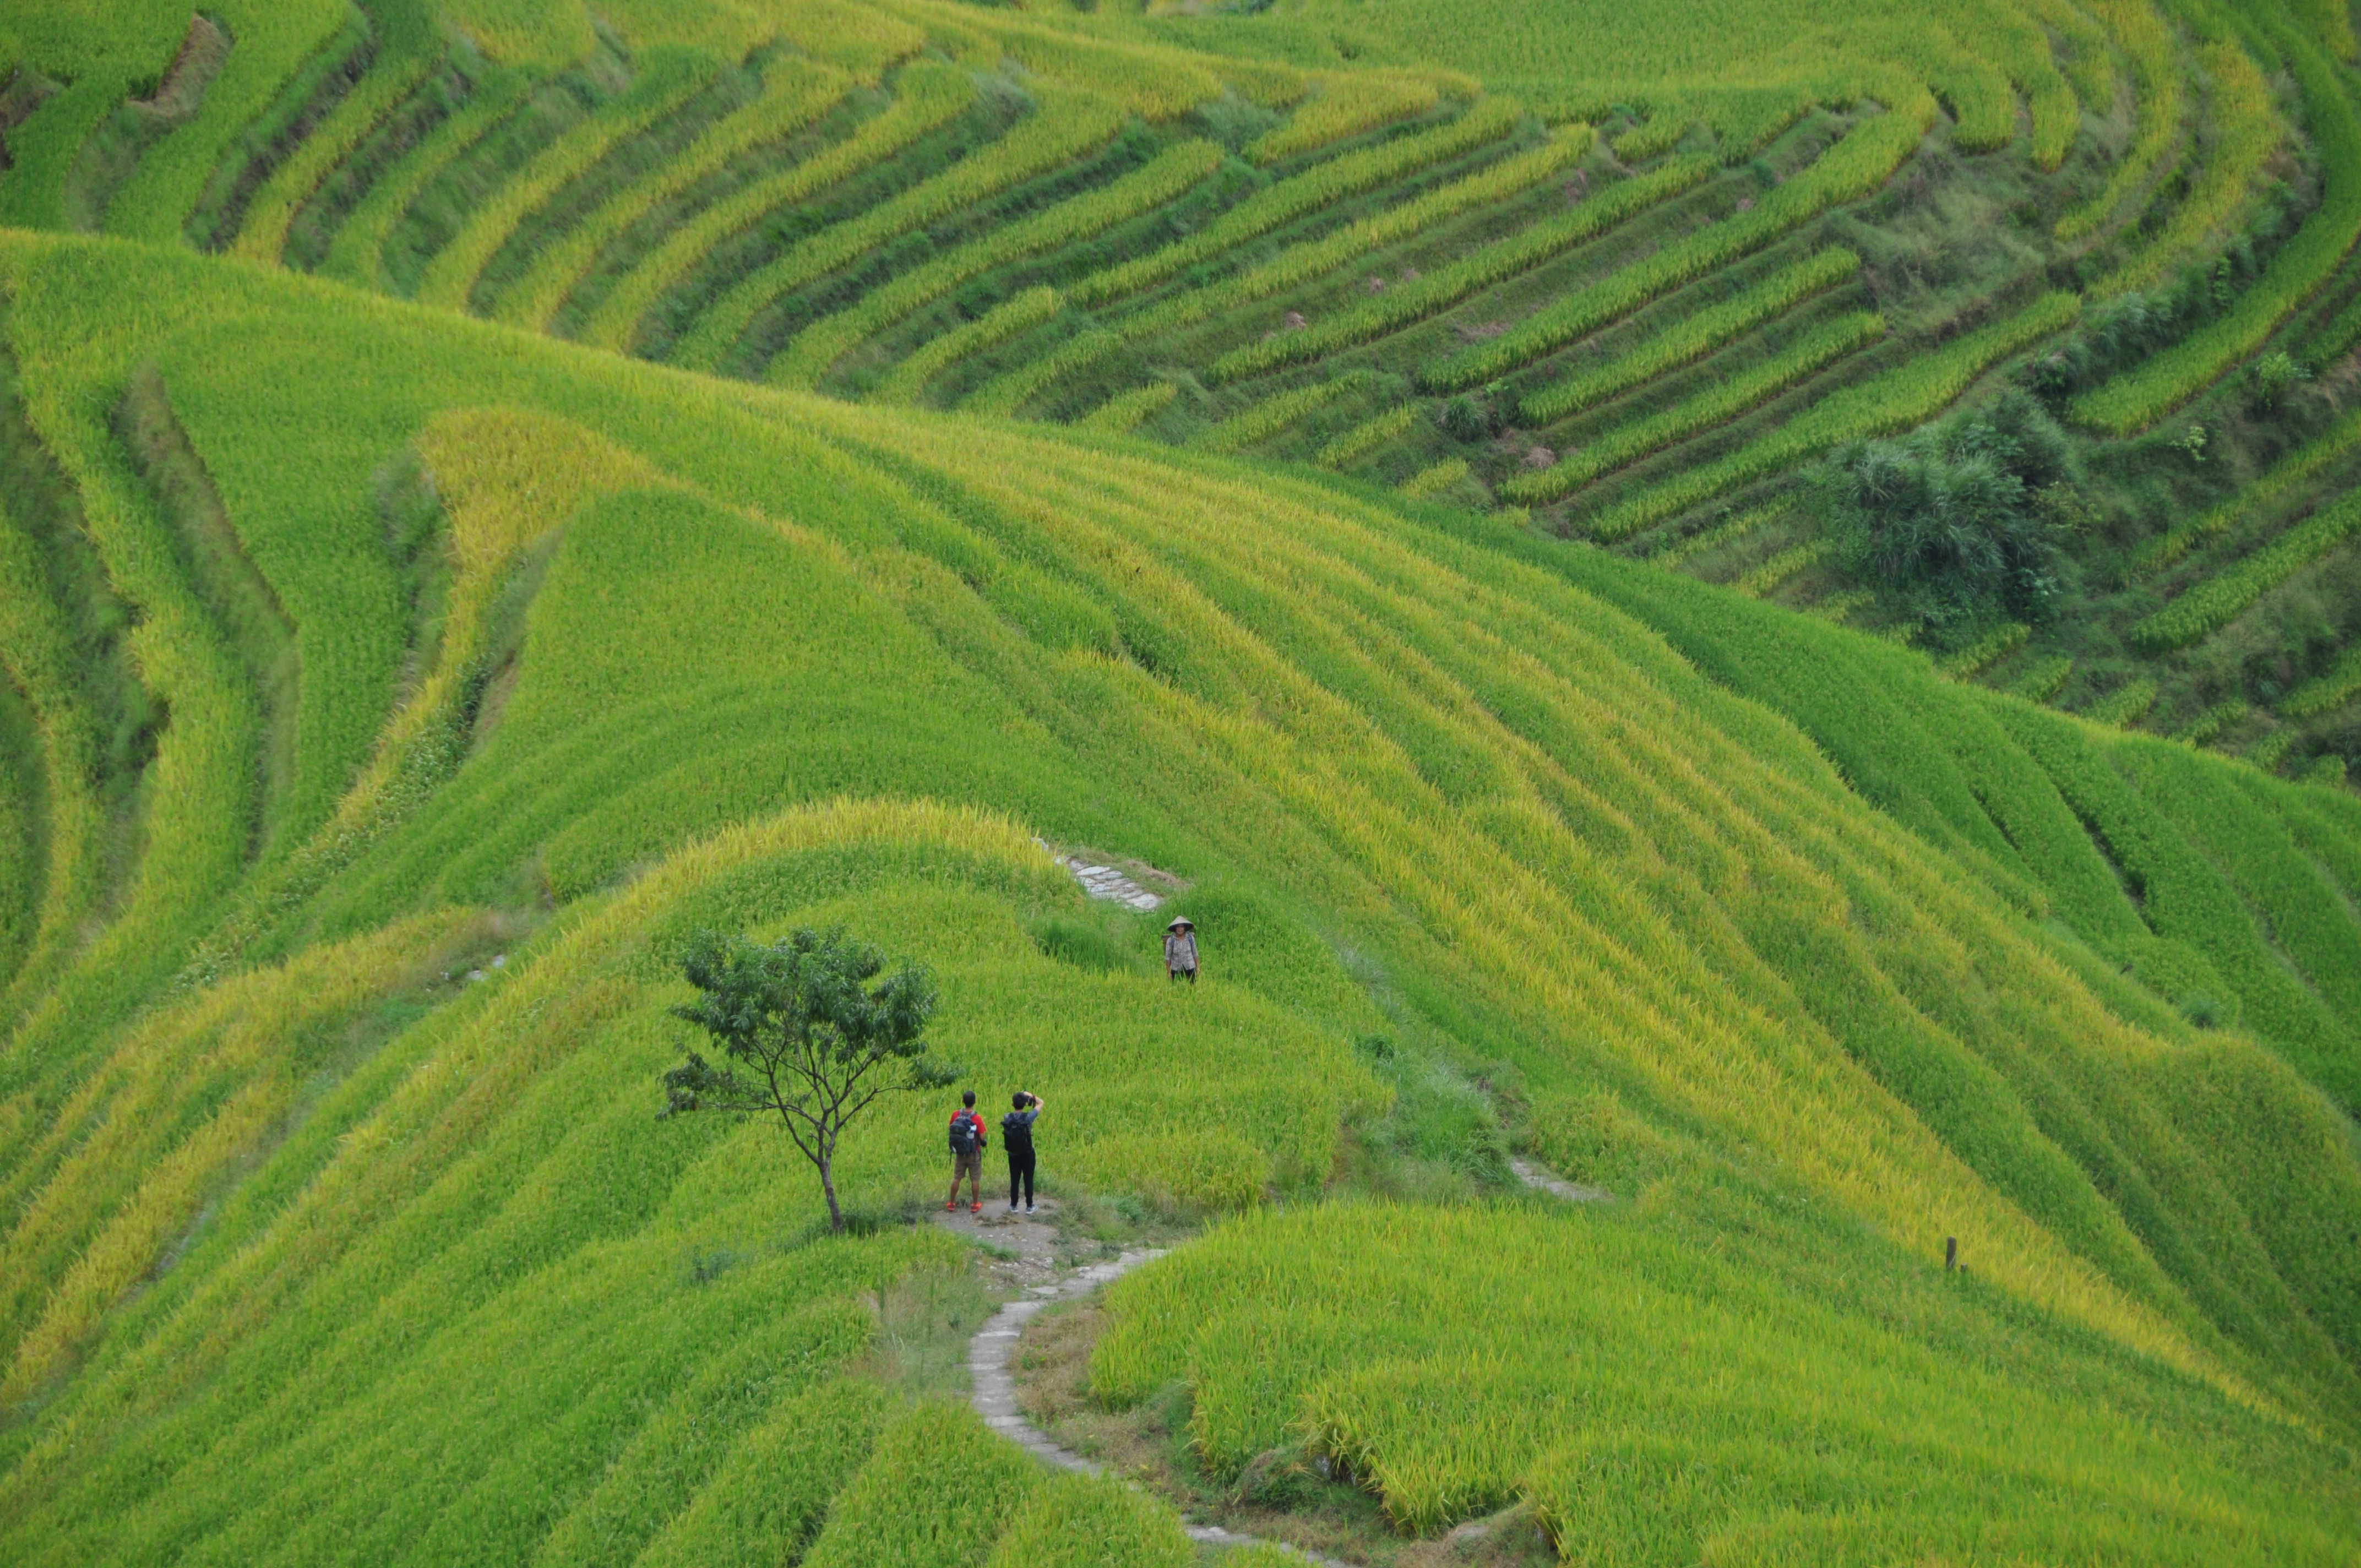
x=1023, y=1257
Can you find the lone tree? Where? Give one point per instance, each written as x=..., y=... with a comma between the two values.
x=808, y=1034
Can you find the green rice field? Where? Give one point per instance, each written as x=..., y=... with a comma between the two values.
x=1759, y=615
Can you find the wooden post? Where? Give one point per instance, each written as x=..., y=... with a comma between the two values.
x=1950, y=1253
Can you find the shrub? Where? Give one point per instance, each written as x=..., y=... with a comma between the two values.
x=1467, y=418
x=1947, y=517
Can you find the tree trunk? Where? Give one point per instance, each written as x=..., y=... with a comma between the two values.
x=828, y=1185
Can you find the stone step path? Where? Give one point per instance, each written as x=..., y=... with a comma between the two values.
x=1108, y=884
x=994, y=1395
x=1556, y=1186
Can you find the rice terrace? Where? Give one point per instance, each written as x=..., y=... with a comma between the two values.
x=1604, y=746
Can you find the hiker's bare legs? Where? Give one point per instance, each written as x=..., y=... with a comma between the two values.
x=971, y=1167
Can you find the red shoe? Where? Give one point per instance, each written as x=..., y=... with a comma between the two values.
x=975, y=1208
x=950, y=1204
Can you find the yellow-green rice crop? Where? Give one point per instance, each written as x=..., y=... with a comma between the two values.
x=1728, y=531
x=2146, y=41
x=1065, y=126
x=354, y=254
x=666, y=79
x=1123, y=412
x=1434, y=480
x=1779, y=567
x=1349, y=174
x=409, y=51
x=2332, y=687
x=1694, y=337
x=1808, y=355
x=1092, y=1521
x=1836, y=607
x=896, y=1512
x=927, y=97
x=274, y=38
x=2217, y=600
x=1988, y=649
x=2044, y=680
x=1162, y=179
x=2297, y=468
x=1314, y=259
x=1830, y=957
x=1345, y=106
x=1445, y=286
x=1010, y=390
x=1366, y=437
x=795, y=92
x=1010, y=319
x=1254, y=425
x=2246, y=132
x=2138, y=398
x=1455, y=1360
x=37, y=654
x=2128, y=704
x=1854, y=168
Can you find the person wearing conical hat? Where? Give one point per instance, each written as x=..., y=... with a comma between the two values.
x=1181, y=949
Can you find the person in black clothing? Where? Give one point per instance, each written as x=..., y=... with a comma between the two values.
x=1016, y=1138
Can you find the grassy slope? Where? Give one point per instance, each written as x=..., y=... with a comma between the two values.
x=1502, y=787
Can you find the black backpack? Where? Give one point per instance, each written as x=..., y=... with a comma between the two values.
x=965, y=1125
x=1015, y=1133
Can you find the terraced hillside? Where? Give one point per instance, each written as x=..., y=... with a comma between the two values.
x=496, y=487
x=1641, y=280
x=336, y=1237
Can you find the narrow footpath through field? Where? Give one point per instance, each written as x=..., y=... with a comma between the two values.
x=1023, y=1252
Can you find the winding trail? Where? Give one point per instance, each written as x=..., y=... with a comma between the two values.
x=994, y=1393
